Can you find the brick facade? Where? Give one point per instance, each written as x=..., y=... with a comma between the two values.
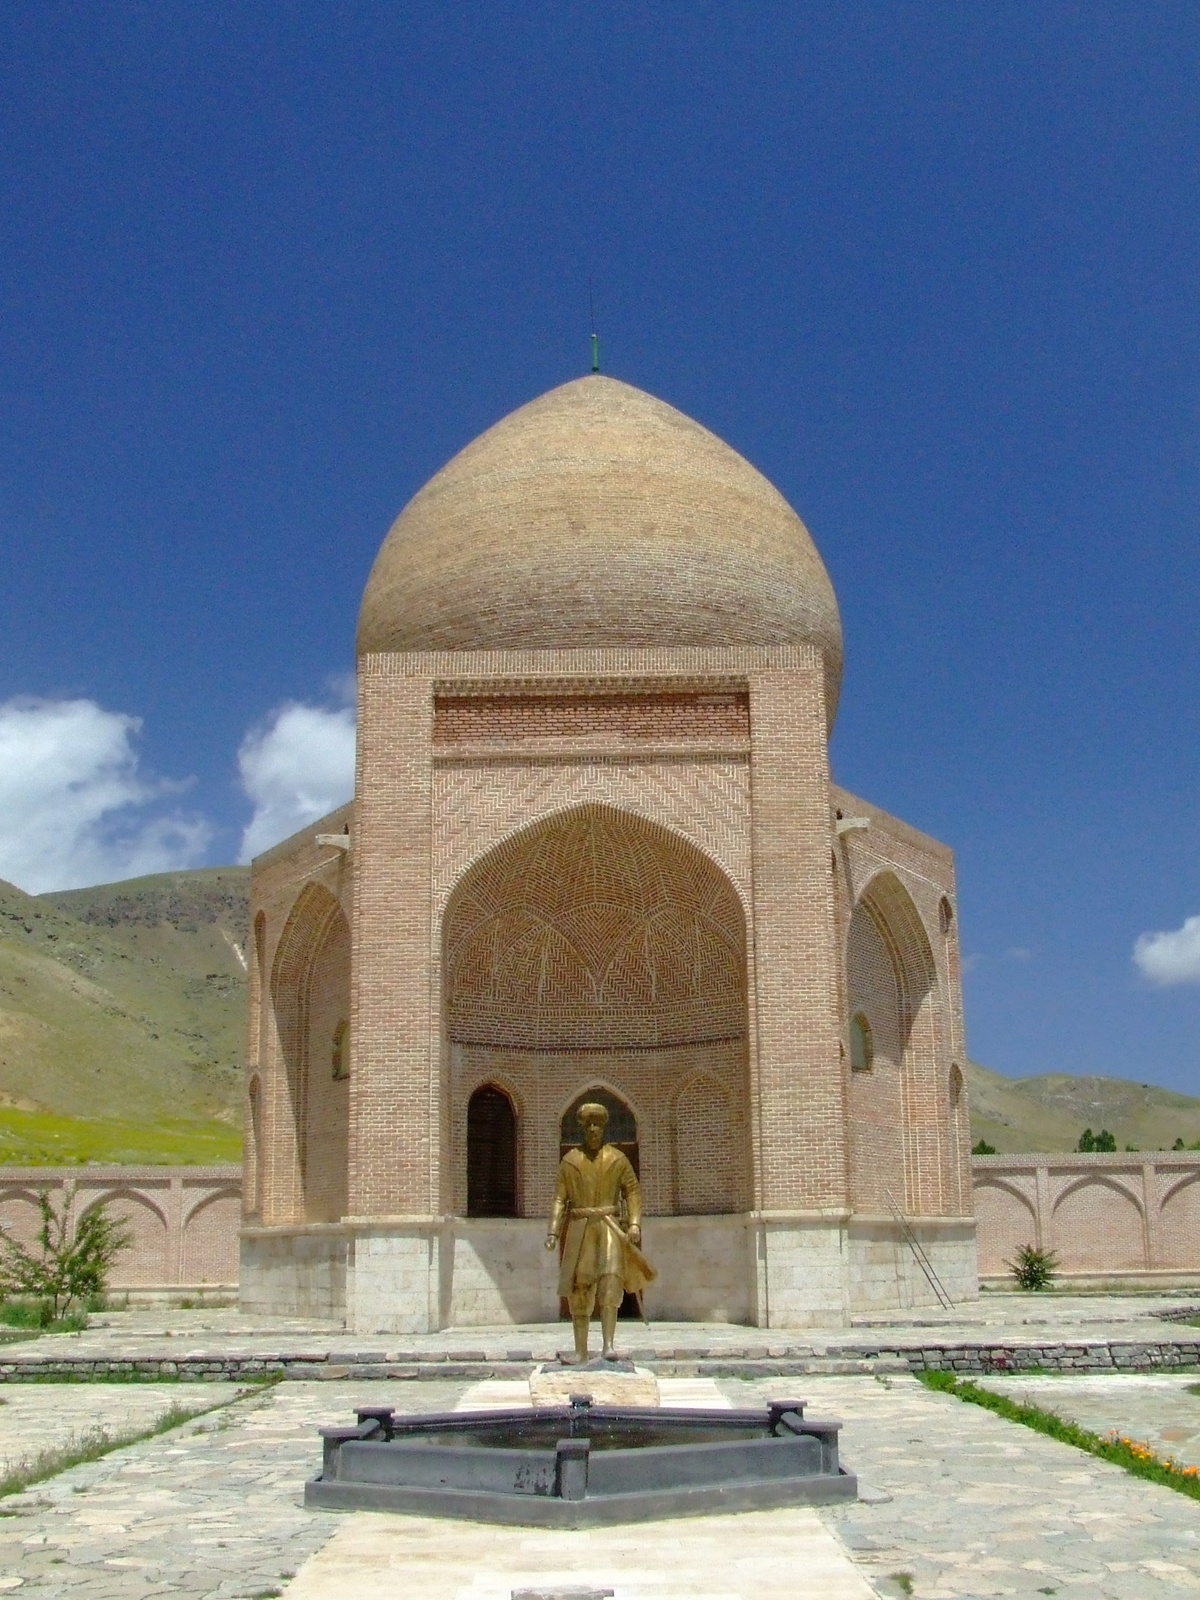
x=613, y=860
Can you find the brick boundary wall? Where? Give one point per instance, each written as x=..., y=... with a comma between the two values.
x=184, y=1221
x=1130, y=1218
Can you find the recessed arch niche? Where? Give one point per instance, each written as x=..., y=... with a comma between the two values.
x=491, y=1153
x=596, y=947
x=900, y=1116
x=310, y=994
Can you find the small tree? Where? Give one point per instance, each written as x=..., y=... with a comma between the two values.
x=65, y=1270
x=1033, y=1268
x=1100, y=1142
x=983, y=1148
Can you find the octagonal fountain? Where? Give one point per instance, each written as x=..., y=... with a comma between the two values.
x=580, y=1465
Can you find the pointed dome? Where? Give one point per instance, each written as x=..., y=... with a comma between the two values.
x=598, y=516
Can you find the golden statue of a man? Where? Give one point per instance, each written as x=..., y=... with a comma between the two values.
x=601, y=1258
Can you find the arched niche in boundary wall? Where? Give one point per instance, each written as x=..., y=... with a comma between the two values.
x=210, y=1253
x=1179, y=1225
x=1097, y=1226
x=146, y=1259
x=310, y=993
x=595, y=946
x=1006, y=1219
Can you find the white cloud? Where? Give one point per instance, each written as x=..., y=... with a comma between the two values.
x=295, y=769
x=1172, y=957
x=72, y=801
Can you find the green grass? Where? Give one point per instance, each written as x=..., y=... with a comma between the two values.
x=44, y=1139
x=35, y=1315
x=93, y=1445
x=1137, y=1459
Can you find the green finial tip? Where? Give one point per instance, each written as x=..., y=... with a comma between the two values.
x=595, y=352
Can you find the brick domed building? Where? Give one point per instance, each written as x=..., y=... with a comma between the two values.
x=595, y=854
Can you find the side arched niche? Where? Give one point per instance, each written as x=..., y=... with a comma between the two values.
x=902, y=1126
x=596, y=947
x=310, y=993
x=492, y=1153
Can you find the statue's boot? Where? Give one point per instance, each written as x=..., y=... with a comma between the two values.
x=581, y=1338
x=608, y=1329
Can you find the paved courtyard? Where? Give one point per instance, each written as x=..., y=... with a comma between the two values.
x=1151, y=1408
x=1046, y=1327
x=962, y=1502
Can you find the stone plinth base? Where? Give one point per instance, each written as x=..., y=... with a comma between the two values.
x=763, y=1269
x=554, y=1385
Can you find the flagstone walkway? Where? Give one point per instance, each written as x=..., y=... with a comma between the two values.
x=964, y=1503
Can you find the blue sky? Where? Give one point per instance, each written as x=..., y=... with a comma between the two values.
x=932, y=268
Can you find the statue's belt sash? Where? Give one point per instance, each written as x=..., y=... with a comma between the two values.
x=638, y=1271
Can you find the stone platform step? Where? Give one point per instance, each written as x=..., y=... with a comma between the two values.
x=39, y=1363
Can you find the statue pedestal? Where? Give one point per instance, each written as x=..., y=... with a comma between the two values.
x=606, y=1383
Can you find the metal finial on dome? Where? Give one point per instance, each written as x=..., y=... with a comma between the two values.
x=595, y=335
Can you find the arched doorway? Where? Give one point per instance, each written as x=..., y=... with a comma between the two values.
x=597, y=947
x=491, y=1154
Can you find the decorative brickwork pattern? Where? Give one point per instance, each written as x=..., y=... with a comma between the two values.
x=1178, y=1233
x=609, y=723
x=876, y=1095
x=710, y=1148
x=707, y=800
x=594, y=929
x=594, y=947
x=326, y=1095
x=906, y=882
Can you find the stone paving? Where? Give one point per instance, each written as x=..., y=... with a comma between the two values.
x=1161, y=1411
x=999, y=1332
x=38, y=1417
x=965, y=1503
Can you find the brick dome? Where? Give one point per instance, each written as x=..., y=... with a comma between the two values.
x=598, y=516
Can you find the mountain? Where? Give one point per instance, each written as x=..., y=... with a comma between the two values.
x=122, y=1011
x=1050, y=1111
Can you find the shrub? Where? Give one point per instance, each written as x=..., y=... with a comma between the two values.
x=1033, y=1268
x=983, y=1148
x=69, y=1266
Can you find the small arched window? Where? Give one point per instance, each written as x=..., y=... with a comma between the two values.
x=340, y=1053
x=945, y=914
x=862, y=1046
x=956, y=1085
x=491, y=1154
